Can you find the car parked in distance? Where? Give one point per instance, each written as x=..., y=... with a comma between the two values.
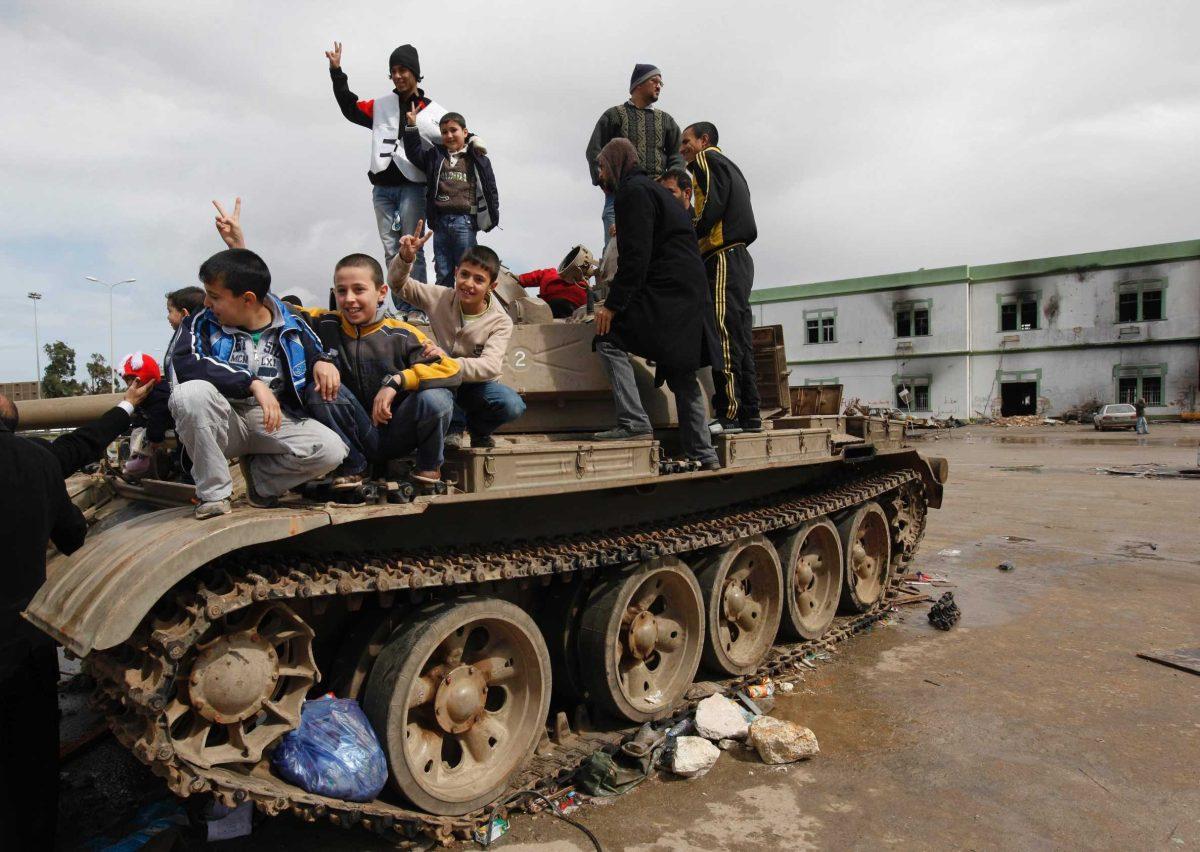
x=1115, y=416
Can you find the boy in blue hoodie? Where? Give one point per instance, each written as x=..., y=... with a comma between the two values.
x=238, y=373
x=460, y=191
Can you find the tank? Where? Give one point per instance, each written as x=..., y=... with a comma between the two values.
x=558, y=595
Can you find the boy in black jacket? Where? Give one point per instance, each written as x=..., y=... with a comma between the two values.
x=460, y=190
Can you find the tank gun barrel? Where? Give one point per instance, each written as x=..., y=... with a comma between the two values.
x=66, y=412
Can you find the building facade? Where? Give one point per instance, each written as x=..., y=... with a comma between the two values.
x=1036, y=336
x=19, y=391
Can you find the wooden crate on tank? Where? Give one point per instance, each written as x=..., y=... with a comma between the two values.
x=558, y=462
x=816, y=400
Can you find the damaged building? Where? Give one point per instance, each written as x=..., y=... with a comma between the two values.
x=1044, y=336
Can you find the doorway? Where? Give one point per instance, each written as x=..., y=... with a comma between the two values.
x=1017, y=398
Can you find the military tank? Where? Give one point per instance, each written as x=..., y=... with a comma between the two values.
x=559, y=594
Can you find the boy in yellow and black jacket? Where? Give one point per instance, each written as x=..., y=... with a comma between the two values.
x=392, y=399
x=724, y=221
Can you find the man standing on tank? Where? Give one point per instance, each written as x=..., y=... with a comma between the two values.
x=725, y=226
x=657, y=307
x=398, y=186
x=34, y=511
x=654, y=134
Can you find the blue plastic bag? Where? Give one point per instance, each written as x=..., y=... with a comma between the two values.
x=333, y=753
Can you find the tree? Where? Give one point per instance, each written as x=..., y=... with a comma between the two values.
x=59, y=378
x=99, y=380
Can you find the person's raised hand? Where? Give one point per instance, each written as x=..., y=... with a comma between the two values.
x=412, y=243
x=328, y=379
x=137, y=392
x=335, y=56
x=411, y=115
x=230, y=227
x=381, y=411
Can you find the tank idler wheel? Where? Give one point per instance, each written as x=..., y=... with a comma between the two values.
x=812, y=568
x=907, y=512
x=459, y=695
x=743, y=600
x=641, y=637
x=867, y=545
x=245, y=687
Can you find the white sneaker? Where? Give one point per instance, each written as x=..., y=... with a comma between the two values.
x=212, y=508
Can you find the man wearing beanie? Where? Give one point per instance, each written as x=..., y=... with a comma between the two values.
x=398, y=186
x=654, y=134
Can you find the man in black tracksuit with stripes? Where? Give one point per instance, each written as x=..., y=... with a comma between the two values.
x=725, y=226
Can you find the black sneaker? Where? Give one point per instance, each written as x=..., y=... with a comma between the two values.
x=253, y=497
x=751, y=424
x=482, y=442
x=710, y=465
x=455, y=440
x=724, y=426
x=620, y=433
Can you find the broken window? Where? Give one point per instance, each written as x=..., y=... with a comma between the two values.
x=1127, y=389
x=820, y=326
x=1152, y=305
x=1140, y=301
x=1152, y=390
x=912, y=319
x=911, y=396
x=1127, y=307
x=1019, y=312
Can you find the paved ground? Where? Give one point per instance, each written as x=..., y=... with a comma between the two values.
x=1032, y=725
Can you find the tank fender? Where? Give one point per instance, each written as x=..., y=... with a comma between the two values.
x=933, y=470
x=95, y=598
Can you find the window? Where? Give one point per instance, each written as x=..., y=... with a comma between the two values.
x=814, y=382
x=916, y=388
x=821, y=326
x=1141, y=382
x=912, y=319
x=1140, y=301
x=1019, y=312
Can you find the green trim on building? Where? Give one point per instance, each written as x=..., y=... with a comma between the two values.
x=809, y=383
x=908, y=356
x=1003, y=299
x=1140, y=372
x=1035, y=376
x=1139, y=286
x=1160, y=253
x=911, y=307
x=913, y=382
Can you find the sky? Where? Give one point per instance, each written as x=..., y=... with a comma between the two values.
x=876, y=137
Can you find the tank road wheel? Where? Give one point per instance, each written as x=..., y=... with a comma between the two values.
x=743, y=598
x=245, y=687
x=867, y=544
x=907, y=511
x=812, y=569
x=459, y=696
x=641, y=637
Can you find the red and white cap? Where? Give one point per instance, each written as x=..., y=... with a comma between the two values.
x=141, y=366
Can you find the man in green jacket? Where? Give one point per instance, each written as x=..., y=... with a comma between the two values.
x=654, y=134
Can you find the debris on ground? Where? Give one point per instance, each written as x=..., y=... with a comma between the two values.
x=920, y=578
x=333, y=753
x=945, y=613
x=718, y=718
x=761, y=690
x=1184, y=659
x=787, y=688
x=780, y=741
x=224, y=823
x=497, y=829
x=1006, y=566
x=1152, y=470
x=692, y=757
x=949, y=552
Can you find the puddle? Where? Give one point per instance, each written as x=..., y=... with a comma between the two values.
x=1090, y=442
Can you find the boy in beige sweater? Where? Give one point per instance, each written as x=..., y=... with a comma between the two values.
x=472, y=328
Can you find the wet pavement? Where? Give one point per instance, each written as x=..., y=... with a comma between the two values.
x=1030, y=725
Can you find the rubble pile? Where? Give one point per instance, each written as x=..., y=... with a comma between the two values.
x=1025, y=420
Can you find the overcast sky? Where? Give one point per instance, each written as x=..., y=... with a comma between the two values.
x=876, y=136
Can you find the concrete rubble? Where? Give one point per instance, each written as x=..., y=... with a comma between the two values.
x=718, y=718
x=780, y=741
x=693, y=757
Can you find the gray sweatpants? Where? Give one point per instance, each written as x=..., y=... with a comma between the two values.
x=694, y=438
x=215, y=430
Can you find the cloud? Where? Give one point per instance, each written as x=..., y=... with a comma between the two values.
x=876, y=136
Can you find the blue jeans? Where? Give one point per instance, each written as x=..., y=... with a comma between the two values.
x=454, y=235
x=483, y=407
x=397, y=211
x=609, y=216
x=419, y=422
x=1140, y=427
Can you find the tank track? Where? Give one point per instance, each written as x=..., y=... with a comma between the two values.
x=135, y=679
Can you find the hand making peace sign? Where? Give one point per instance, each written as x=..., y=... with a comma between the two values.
x=412, y=243
x=230, y=227
x=335, y=56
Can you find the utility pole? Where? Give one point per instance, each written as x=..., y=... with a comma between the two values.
x=37, y=345
x=112, y=367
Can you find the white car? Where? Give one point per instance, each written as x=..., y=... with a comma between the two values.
x=1115, y=416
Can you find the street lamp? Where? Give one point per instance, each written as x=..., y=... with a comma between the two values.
x=37, y=347
x=112, y=367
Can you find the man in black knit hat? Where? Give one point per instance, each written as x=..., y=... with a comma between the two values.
x=398, y=186
x=654, y=134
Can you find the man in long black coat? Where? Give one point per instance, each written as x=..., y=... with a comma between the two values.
x=34, y=510
x=658, y=305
